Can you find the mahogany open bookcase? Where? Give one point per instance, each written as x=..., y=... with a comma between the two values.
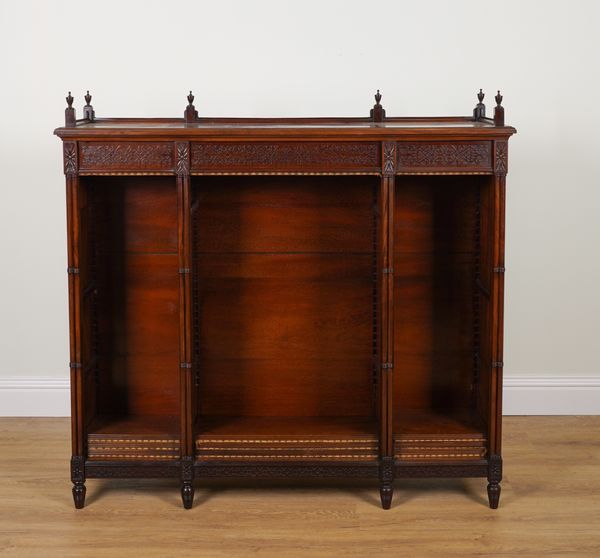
x=308, y=297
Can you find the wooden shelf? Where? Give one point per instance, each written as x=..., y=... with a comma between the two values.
x=426, y=435
x=134, y=437
x=286, y=438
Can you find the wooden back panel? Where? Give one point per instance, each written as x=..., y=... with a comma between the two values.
x=138, y=293
x=284, y=295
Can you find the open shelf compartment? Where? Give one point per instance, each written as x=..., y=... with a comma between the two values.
x=284, y=334
x=131, y=317
x=441, y=330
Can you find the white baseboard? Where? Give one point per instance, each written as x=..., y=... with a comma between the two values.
x=523, y=395
x=34, y=397
x=551, y=395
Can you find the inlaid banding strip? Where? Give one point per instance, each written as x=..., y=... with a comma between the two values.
x=281, y=441
x=299, y=449
x=440, y=448
x=130, y=447
x=245, y=456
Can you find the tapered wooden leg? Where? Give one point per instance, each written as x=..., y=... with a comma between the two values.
x=494, y=478
x=386, y=493
x=78, y=480
x=187, y=482
x=386, y=481
x=187, y=495
x=493, y=490
x=79, y=494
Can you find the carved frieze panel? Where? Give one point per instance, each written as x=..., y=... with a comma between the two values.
x=471, y=156
x=126, y=156
x=286, y=157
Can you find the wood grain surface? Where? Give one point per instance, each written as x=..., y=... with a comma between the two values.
x=285, y=267
x=550, y=506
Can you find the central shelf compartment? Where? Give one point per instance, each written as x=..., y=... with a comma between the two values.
x=284, y=322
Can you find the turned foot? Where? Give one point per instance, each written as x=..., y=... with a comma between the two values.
x=187, y=482
x=493, y=490
x=386, y=493
x=78, y=480
x=79, y=495
x=494, y=478
x=386, y=480
x=187, y=495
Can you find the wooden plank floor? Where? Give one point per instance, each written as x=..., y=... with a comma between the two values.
x=550, y=506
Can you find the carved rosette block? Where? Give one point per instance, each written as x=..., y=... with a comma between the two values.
x=501, y=158
x=182, y=158
x=78, y=480
x=70, y=157
x=187, y=482
x=386, y=481
x=389, y=158
x=494, y=478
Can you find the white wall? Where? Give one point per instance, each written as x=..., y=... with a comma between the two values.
x=274, y=58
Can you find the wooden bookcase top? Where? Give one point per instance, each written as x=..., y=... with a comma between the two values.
x=375, y=127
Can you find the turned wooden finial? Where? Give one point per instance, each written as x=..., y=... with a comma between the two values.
x=70, y=112
x=88, y=110
x=377, y=112
x=499, y=111
x=479, y=110
x=190, y=114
